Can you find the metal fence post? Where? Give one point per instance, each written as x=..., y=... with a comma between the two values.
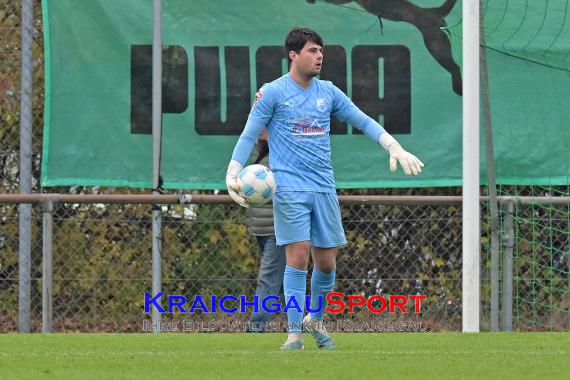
x=508, y=243
x=156, y=263
x=25, y=237
x=491, y=178
x=156, y=152
x=47, y=273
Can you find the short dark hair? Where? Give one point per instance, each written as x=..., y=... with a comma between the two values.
x=298, y=37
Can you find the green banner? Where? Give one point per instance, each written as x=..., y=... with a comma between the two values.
x=392, y=58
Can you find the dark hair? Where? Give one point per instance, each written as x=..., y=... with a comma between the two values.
x=298, y=37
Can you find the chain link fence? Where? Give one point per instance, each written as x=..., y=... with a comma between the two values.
x=102, y=261
x=102, y=252
x=10, y=78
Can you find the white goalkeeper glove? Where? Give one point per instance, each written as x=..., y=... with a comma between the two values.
x=410, y=163
x=231, y=182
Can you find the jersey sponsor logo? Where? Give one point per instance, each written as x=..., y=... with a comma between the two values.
x=304, y=127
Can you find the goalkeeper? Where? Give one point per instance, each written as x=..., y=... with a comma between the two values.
x=296, y=109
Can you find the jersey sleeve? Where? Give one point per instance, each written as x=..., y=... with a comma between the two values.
x=348, y=112
x=259, y=116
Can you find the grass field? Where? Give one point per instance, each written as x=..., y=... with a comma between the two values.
x=257, y=356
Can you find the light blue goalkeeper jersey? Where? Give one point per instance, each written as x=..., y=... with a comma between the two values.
x=298, y=122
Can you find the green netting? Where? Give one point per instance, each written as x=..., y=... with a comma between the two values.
x=527, y=57
x=532, y=38
x=535, y=31
x=541, y=277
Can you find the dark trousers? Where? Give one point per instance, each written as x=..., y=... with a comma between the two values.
x=270, y=278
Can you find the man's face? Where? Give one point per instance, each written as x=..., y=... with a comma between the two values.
x=309, y=60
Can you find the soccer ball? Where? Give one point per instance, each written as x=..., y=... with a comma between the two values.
x=256, y=184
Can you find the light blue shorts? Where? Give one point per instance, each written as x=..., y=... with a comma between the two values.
x=304, y=215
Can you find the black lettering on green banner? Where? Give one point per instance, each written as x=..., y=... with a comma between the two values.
x=208, y=120
x=395, y=105
x=335, y=71
x=174, y=84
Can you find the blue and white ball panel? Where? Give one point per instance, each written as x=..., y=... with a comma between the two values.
x=257, y=184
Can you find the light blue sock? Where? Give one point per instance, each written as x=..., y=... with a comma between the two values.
x=321, y=284
x=295, y=284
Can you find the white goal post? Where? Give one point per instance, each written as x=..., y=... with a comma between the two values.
x=471, y=211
